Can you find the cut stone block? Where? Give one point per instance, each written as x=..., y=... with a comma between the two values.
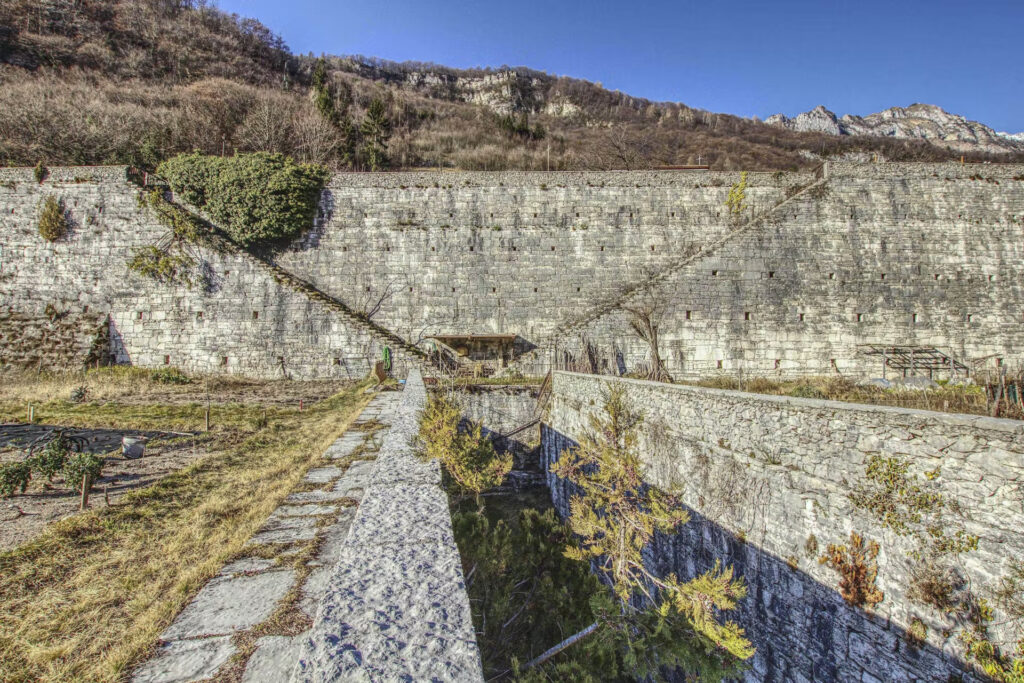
x=186, y=660
x=309, y=510
x=334, y=539
x=322, y=475
x=286, y=530
x=227, y=605
x=273, y=660
x=246, y=564
x=314, y=589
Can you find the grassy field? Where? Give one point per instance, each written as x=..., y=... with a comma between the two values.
x=88, y=598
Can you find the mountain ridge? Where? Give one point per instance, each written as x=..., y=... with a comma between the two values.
x=918, y=121
x=137, y=81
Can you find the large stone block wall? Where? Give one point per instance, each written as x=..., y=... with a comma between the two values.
x=895, y=254
x=892, y=254
x=509, y=252
x=245, y=322
x=763, y=474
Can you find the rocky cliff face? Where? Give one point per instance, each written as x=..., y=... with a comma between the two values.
x=918, y=121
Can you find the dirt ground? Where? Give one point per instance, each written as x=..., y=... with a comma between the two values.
x=25, y=515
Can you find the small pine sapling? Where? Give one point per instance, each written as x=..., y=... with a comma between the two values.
x=615, y=516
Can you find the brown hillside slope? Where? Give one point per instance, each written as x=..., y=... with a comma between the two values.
x=135, y=81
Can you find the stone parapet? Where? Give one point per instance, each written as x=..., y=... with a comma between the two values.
x=396, y=607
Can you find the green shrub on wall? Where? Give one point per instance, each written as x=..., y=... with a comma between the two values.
x=256, y=198
x=53, y=224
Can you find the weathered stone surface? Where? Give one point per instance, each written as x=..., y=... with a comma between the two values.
x=762, y=475
x=396, y=605
x=308, y=510
x=184, y=661
x=272, y=661
x=226, y=605
x=286, y=529
x=247, y=565
x=322, y=475
x=797, y=293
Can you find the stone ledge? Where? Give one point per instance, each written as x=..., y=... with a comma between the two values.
x=396, y=607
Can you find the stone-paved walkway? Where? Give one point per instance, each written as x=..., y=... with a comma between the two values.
x=246, y=592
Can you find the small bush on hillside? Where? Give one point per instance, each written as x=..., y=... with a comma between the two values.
x=14, y=478
x=170, y=376
x=79, y=466
x=40, y=172
x=256, y=198
x=50, y=461
x=53, y=223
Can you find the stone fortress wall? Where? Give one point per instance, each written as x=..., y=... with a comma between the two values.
x=763, y=475
x=247, y=322
x=916, y=254
x=889, y=254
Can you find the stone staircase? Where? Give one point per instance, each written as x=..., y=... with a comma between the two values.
x=578, y=323
x=218, y=240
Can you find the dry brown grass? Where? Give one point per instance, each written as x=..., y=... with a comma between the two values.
x=951, y=398
x=88, y=599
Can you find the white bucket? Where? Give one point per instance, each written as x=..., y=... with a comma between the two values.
x=133, y=447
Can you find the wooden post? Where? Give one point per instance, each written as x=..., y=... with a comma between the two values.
x=207, y=418
x=300, y=405
x=85, y=491
x=31, y=414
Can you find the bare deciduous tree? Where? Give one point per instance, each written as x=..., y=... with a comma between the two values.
x=646, y=313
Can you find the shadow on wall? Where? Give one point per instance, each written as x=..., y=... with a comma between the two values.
x=803, y=630
x=311, y=239
x=118, y=352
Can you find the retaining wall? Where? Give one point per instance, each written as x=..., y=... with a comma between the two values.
x=396, y=607
x=889, y=254
x=763, y=475
x=244, y=322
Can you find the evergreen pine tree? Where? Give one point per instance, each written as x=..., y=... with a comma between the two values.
x=375, y=131
x=662, y=622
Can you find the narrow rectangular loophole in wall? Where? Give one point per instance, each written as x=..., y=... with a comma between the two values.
x=167, y=360
x=255, y=315
x=689, y=314
x=801, y=317
x=860, y=317
x=719, y=365
x=224, y=360
x=746, y=315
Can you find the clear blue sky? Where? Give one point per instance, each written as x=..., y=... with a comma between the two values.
x=733, y=56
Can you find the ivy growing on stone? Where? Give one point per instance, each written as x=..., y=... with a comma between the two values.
x=897, y=499
x=258, y=199
x=736, y=202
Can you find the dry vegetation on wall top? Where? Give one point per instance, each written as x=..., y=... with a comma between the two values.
x=137, y=81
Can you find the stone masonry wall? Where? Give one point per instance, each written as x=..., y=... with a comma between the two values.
x=246, y=322
x=892, y=254
x=764, y=474
x=509, y=252
x=895, y=254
